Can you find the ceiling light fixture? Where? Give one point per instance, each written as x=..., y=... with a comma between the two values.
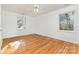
x=36, y=8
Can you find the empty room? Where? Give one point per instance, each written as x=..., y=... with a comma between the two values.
x=39, y=29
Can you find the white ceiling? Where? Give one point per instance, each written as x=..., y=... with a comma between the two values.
x=28, y=8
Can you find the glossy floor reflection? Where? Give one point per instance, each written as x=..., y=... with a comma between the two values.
x=12, y=47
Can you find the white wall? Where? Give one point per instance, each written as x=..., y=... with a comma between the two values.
x=48, y=25
x=29, y=27
x=9, y=22
x=0, y=29
x=77, y=26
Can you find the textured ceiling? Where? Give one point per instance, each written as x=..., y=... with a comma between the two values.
x=28, y=8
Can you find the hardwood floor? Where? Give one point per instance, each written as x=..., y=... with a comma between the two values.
x=38, y=44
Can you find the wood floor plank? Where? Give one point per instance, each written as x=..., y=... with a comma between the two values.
x=38, y=44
